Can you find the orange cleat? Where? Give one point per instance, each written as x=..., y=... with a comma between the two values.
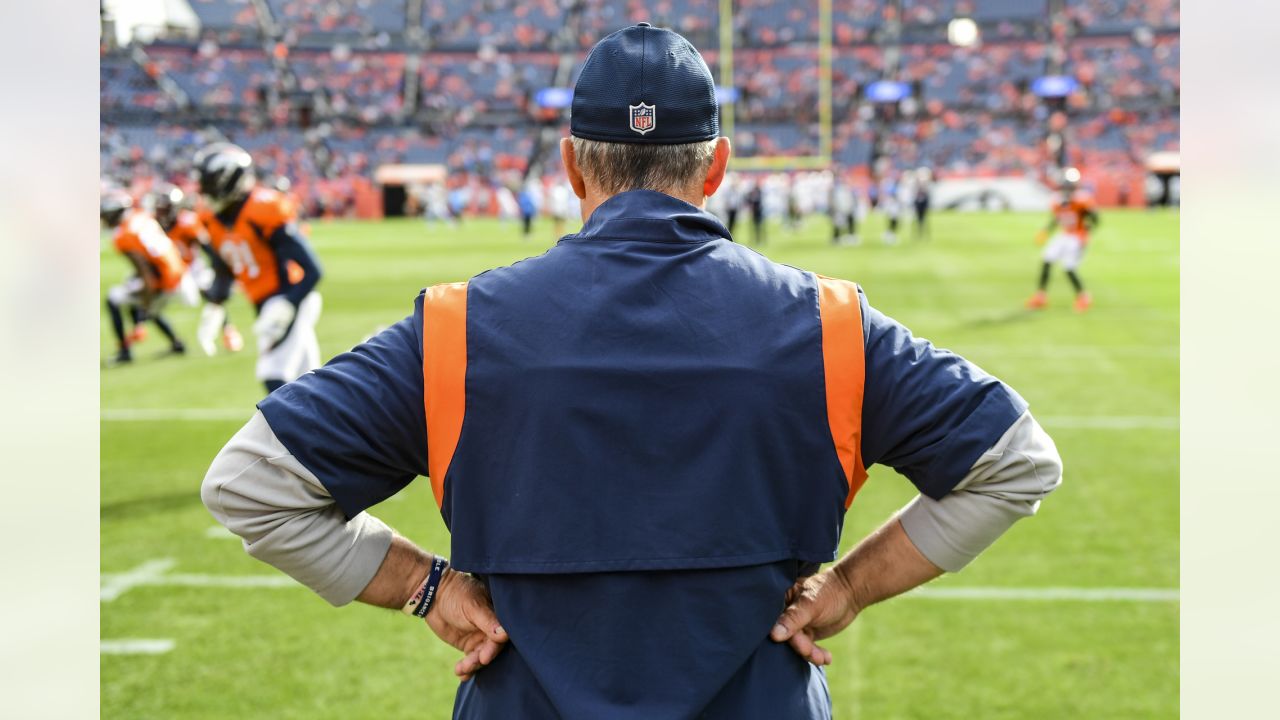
x=136, y=335
x=231, y=339
x=1038, y=301
x=1083, y=301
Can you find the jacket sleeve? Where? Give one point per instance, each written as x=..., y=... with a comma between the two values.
x=294, y=483
x=359, y=423
x=927, y=412
x=1005, y=485
x=286, y=517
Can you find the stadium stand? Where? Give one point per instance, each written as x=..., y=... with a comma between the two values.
x=325, y=91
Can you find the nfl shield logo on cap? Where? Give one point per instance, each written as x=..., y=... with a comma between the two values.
x=643, y=118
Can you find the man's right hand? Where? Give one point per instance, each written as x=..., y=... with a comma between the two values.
x=884, y=564
x=463, y=617
x=818, y=607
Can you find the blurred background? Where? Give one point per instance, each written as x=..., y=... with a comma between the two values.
x=473, y=95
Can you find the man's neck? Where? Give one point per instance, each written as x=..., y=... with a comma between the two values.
x=595, y=199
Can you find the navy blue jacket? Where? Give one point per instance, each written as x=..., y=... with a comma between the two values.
x=645, y=464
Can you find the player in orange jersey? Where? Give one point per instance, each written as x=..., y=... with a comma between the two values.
x=184, y=227
x=253, y=229
x=1074, y=217
x=160, y=272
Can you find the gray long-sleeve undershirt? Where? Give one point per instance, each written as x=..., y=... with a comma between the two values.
x=286, y=518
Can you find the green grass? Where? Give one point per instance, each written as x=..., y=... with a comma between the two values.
x=284, y=653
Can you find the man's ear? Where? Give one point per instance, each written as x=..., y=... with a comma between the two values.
x=719, y=164
x=571, y=168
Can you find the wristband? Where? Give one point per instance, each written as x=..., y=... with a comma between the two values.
x=420, y=604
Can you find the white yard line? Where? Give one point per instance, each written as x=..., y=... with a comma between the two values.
x=155, y=574
x=1110, y=422
x=227, y=581
x=136, y=646
x=113, y=586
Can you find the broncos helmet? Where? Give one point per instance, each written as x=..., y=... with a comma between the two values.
x=166, y=201
x=112, y=206
x=224, y=174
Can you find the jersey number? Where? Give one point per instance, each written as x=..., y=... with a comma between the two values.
x=240, y=257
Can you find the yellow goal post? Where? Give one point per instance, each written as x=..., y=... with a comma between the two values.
x=820, y=161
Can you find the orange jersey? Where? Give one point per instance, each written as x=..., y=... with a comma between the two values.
x=186, y=234
x=246, y=245
x=1071, y=213
x=140, y=236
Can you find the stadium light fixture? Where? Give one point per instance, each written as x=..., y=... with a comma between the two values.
x=962, y=32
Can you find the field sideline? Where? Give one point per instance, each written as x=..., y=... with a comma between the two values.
x=1073, y=614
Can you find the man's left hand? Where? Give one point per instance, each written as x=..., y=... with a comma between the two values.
x=463, y=617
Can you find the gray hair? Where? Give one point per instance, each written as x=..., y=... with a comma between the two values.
x=618, y=167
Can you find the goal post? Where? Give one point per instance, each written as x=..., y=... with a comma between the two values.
x=781, y=162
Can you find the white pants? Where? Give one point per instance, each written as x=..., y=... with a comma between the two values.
x=201, y=271
x=298, y=351
x=1065, y=248
x=133, y=290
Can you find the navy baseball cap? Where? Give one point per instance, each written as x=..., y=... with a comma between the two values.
x=644, y=84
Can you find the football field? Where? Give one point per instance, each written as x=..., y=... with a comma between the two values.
x=1074, y=614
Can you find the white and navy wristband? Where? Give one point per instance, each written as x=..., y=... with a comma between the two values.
x=420, y=604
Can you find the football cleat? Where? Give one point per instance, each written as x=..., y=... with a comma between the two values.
x=231, y=339
x=123, y=357
x=136, y=335
x=1038, y=301
x=1083, y=301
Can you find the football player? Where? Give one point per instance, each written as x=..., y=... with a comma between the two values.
x=184, y=227
x=1073, y=217
x=160, y=273
x=253, y=230
x=891, y=206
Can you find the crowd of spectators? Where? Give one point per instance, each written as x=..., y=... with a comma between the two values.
x=477, y=83
x=1119, y=71
x=230, y=21
x=328, y=20
x=507, y=24
x=215, y=76
x=1105, y=17
x=325, y=91
x=365, y=85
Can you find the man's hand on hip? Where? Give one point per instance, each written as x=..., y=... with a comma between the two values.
x=884, y=564
x=818, y=607
x=461, y=614
x=463, y=617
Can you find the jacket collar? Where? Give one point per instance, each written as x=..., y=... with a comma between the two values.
x=653, y=216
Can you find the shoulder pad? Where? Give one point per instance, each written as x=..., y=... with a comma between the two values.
x=268, y=208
